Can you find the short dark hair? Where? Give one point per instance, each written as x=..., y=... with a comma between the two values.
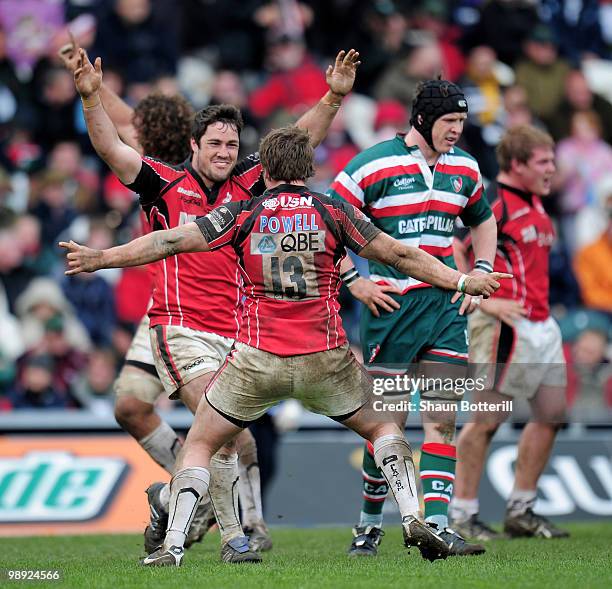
x=518, y=143
x=287, y=154
x=217, y=113
x=163, y=125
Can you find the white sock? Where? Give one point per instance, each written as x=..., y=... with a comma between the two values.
x=163, y=445
x=224, y=494
x=249, y=485
x=393, y=456
x=187, y=487
x=461, y=510
x=520, y=501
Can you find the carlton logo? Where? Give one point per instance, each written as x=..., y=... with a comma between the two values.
x=287, y=202
x=457, y=183
x=403, y=183
x=57, y=486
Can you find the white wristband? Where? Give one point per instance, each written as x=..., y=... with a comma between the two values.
x=461, y=282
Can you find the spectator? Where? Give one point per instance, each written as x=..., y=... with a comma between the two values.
x=132, y=41
x=11, y=344
x=516, y=108
x=91, y=295
x=400, y=79
x=295, y=83
x=579, y=98
x=82, y=181
x=593, y=266
x=484, y=125
x=591, y=221
x=42, y=300
x=94, y=387
x=503, y=26
x=583, y=160
x=433, y=17
x=34, y=388
x=589, y=372
x=53, y=206
x=14, y=275
x=542, y=73
x=56, y=117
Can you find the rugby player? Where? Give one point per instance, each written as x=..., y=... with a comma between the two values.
x=514, y=335
x=195, y=310
x=414, y=187
x=290, y=243
x=160, y=127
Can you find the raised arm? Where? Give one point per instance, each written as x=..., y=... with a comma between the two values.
x=340, y=77
x=122, y=159
x=143, y=250
x=117, y=109
x=414, y=262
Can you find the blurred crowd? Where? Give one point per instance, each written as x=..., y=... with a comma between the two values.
x=547, y=63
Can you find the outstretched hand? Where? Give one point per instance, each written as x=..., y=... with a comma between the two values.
x=341, y=76
x=87, y=77
x=81, y=258
x=484, y=284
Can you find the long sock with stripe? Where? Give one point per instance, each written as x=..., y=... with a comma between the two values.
x=375, y=490
x=187, y=488
x=224, y=494
x=437, y=478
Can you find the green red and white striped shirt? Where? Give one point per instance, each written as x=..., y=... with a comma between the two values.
x=392, y=184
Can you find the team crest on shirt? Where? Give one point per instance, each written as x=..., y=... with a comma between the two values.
x=456, y=183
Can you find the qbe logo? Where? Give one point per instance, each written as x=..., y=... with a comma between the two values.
x=57, y=486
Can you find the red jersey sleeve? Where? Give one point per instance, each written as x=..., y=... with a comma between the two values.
x=153, y=180
x=249, y=174
x=356, y=230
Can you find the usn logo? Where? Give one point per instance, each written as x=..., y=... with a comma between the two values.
x=457, y=183
x=287, y=202
x=266, y=245
x=57, y=486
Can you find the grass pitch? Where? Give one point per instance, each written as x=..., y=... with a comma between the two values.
x=316, y=558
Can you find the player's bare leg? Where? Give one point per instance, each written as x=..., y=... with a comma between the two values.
x=134, y=389
x=393, y=456
x=535, y=447
x=223, y=493
x=472, y=447
x=209, y=435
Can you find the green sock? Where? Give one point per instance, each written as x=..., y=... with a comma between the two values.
x=437, y=469
x=374, y=490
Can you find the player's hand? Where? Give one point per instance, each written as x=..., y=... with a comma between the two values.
x=506, y=310
x=469, y=303
x=81, y=258
x=87, y=77
x=341, y=76
x=375, y=295
x=484, y=284
x=69, y=54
